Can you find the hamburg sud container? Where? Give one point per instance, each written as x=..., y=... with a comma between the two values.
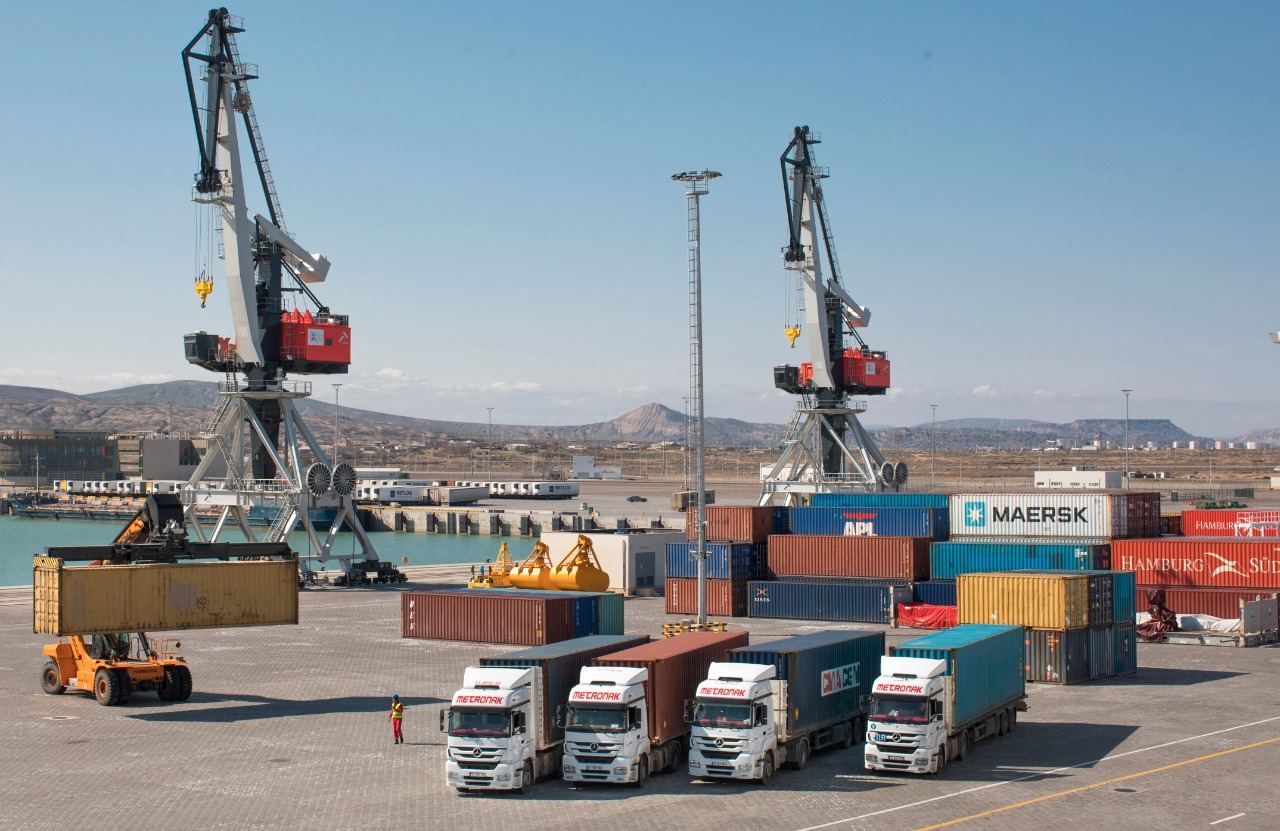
x=857, y=602
x=1200, y=562
x=802, y=555
x=1055, y=514
x=1223, y=603
x=497, y=616
x=725, y=560
x=1057, y=656
x=879, y=500
x=676, y=667
x=1231, y=523
x=561, y=664
x=727, y=598
x=732, y=523
x=871, y=522
x=947, y=559
x=985, y=664
x=1044, y=601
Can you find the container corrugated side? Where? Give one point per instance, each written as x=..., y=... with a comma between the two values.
x=561, y=665
x=1042, y=600
x=826, y=674
x=732, y=523
x=805, y=555
x=725, y=598
x=1057, y=656
x=1200, y=562
x=1124, y=649
x=879, y=500
x=1223, y=603
x=601, y=613
x=930, y=523
x=493, y=616
x=936, y=592
x=93, y=600
x=1044, y=514
x=855, y=602
x=985, y=662
x=948, y=559
x=1101, y=652
x=676, y=667
x=725, y=560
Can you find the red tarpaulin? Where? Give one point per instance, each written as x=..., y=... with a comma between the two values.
x=924, y=616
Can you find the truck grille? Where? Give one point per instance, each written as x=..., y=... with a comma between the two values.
x=897, y=748
x=719, y=748
x=593, y=753
x=471, y=757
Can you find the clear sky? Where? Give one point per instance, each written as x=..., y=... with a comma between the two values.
x=1042, y=204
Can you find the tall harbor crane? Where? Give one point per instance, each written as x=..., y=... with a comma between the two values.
x=280, y=327
x=825, y=448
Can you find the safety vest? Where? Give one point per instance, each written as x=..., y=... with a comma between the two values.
x=397, y=710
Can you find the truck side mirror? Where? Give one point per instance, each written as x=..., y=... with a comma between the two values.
x=444, y=716
x=559, y=720
x=762, y=714
x=687, y=714
x=864, y=702
x=634, y=716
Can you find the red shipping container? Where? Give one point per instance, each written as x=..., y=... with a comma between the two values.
x=805, y=555
x=726, y=598
x=486, y=617
x=732, y=523
x=1200, y=561
x=1237, y=523
x=1223, y=603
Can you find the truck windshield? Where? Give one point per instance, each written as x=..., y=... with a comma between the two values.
x=479, y=723
x=712, y=714
x=900, y=710
x=596, y=719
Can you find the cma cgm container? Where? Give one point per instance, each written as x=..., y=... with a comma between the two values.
x=725, y=560
x=727, y=598
x=879, y=500
x=856, y=602
x=1057, y=656
x=1231, y=523
x=871, y=522
x=497, y=616
x=1055, y=514
x=1045, y=601
x=1224, y=603
x=935, y=592
x=1200, y=562
x=947, y=559
x=802, y=555
x=732, y=523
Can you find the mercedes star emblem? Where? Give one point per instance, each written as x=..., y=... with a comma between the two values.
x=476, y=752
x=594, y=747
x=719, y=742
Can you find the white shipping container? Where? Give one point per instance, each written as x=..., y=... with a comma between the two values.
x=634, y=562
x=1048, y=514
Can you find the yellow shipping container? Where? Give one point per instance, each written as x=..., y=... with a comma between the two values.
x=1041, y=601
x=93, y=600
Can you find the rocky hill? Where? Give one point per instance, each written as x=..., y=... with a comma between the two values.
x=1024, y=434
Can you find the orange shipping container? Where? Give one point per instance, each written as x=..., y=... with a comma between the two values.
x=487, y=617
x=727, y=598
x=805, y=555
x=732, y=523
x=1200, y=561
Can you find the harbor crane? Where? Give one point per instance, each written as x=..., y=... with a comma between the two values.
x=825, y=449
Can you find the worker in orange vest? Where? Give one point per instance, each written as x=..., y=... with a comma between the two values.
x=397, y=719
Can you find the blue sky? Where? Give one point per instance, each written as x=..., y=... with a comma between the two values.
x=1041, y=204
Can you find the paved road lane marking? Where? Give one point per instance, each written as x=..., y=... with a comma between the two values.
x=1224, y=819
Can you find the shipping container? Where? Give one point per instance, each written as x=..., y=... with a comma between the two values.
x=1057, y=656
x=935, y=592
x=488, y=616
x=725, y=560
x=560, y=664
x=725, y=598
x=732, y=523
x=1102, y=644
x=947, y=559
x=95, y=600
x=930, y=523
x=985, y=664
x=852, y=601
x=676, y=667
x=1200, y=561
x=804, y=555
x=1231, y=523
x=781, y=523
x=879, y=500
x=826, y=674
x=1171, y=524
x=1055, y=514
x=594, y=613
x=1223, y=603
x=1124, y=649
x=1044, y=600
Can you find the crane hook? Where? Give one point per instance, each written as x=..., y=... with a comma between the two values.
x=792, y=332
x=204, y=288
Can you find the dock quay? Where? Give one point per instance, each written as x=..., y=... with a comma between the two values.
x=502, y=521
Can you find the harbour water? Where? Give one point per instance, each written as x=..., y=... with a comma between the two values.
x=21, y=538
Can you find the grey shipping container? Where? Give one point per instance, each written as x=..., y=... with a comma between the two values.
x=1101, y=652
x=985, y=662
x=1057, y=656
x=857, y=602
x=1124, y=650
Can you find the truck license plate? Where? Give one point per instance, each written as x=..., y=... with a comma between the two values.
x=897, y=758
x=596, y=768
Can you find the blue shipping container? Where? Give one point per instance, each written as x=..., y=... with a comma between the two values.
x=858, y=602
x=781, y=520
x=947, y=560
x=725, y=560
x=930, y=523
x=984, y=661
x=1058, y=656
x=879, y=500
x=1124, y=649
x=826, y=674
x=1101, y=652
x=936, y=592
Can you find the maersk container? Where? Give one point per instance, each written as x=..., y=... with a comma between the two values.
x=936, y=592
x=1045, y=514
x=948, y=559
x=1046, y=600
x=1057, y=656
x=725, y=560
x=1124, y=649
x=827, y=673
x=879, y=500
x=930, y=523
x=856, y=602
x=985, y=664
x=561, y=665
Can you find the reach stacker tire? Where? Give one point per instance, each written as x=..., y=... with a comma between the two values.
x=106, y=687
x=126, y=686
x=51, y=680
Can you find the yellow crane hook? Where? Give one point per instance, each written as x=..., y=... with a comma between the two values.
x=792, y=332
x=204, y=288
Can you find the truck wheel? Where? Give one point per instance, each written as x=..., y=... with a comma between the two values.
x=766, y=769
x=677, y=757
x=942, y=761
x=51, y=679
x=106, y=687
x=642, y=774
x=802, y=755
x=526, y=778
x=852, y=737
x=1013, y=720
x=126, y=686
x=962, y=745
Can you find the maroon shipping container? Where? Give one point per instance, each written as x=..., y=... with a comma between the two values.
x=1142, y=511
x=1171, y=524
x=1217, y=602
x=487, y=617
x=727, y=598
x=1246, y=523
x=732, y=523
x=676, y=667
x=1200, y=561
x=804, y=555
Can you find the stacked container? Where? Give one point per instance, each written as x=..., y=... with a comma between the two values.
x=735, y=540
x=511, y=616
x=1206, y=575
x=1056, y=515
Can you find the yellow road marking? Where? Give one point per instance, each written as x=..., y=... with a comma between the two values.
x=1083, y=788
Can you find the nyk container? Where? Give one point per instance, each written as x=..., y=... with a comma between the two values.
x=802, y=555
x=871, y=522
x=1201, y=562
x=935, y=592
x=985, y=664
x=726, y=598
x=495, y=616
x=1219, y=523
x=1057, y=656
x=732, y=523
x=1223, y=603
x=725, y=560
x=1043, y=600
x=560, y=664
x=676, y=667
x=947, y=559
x=1055, y=514
x=879, y=500
x=95, y=600
x=856, y=602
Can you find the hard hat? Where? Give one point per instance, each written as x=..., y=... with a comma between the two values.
x=396, y=697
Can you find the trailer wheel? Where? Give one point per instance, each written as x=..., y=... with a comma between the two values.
x=766, y=769
x=852, y=738
x=1013, y=720
x=1002, y=725
x=526, y=778
x=51, y=679
x=126, y=686
x=106, y=687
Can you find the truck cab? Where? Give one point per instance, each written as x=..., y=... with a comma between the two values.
x=906, y=727
x=491, y=724
x=734, y=723
x=606, y=727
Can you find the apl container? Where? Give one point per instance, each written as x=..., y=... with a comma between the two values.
x=1057, y=656
x=984, y=662
x=930, y=523
x=854, y=601
x=879, y=500
x=493, y=616
x=1044, y=600
x=1054, y=514
x=725, y=598
x=936, y=592
x=1200, y=561
x=1231, y=523
x=725, y=560
x=947, y=559
x=732, y=523
x=802, y=555
x=1223, y=603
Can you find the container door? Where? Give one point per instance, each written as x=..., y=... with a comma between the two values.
x=645, y=570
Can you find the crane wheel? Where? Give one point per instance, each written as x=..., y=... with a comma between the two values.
x=51, y=680
x=126, y=686
x=106, y=687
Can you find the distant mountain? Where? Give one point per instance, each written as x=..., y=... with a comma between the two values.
x=991, y=424
x=33, y=394
x=177, y=393
x=1265, y=437
x=1025, y=434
